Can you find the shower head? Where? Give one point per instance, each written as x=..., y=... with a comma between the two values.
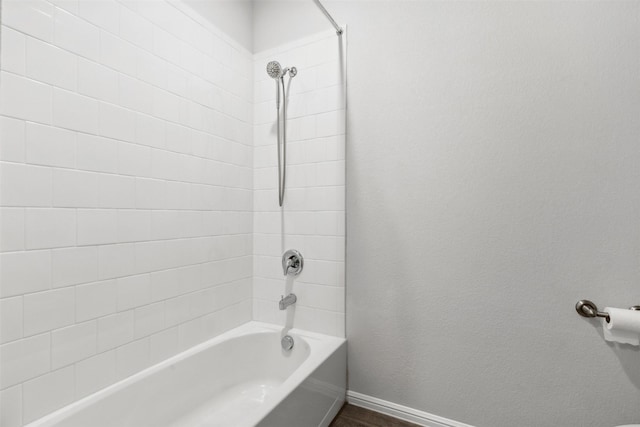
x=274, y=69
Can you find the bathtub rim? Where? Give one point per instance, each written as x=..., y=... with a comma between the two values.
x=321, y=348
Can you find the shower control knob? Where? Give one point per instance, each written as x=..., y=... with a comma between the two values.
x=292, y=263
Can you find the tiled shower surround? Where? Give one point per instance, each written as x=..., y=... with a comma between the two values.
x=138, y=192
x=312, y=219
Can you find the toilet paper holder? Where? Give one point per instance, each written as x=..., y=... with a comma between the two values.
x=586, y=308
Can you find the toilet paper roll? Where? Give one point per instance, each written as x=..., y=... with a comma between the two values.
x=623, y=326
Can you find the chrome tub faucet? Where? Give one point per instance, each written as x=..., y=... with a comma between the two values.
x=287, y=301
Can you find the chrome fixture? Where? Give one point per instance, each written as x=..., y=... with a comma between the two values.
x=292, y=263
x=339, y=30
x=586, y=308
x=276, y=72
x=287, y=301
x=286, y=342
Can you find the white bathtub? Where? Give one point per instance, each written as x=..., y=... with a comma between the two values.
x=240, y=378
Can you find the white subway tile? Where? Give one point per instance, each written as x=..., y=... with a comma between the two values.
x=116, y=261
x=117, y=53
x=135, y=94
x=136, y=29
x=319, y=296
x=96, y=300
x=12, y=51
x=10, y=319
x=315, y=151
x=50, y=64
x=165, y=284
x=11, y=229
x=133, y=291
x=50, y=228
x=309, y=127
x=149, y=319
x=34, y=17
x=73, y=343
x=11, y=407
x=116, y=191
x=48, y=310
x=75, y=112
x=75, y=34
x=97, y=226
x=182, y=83
x=24, y=359
x=331, y=123
x=191, y=59
x=117, y=122
x=115, y=330
x=12, y=135
x=75, y=189
x=324, y=322
x=201, y=302
x=103, y=13
x=69, y=5
x=134, y=159
x=95, y=153
x=166, y=45
x=191, y=333
x=132, y=357
x=72, y=266
x=48, y=393
x=201, y=92
x=178, y=138
x=150, y=131
x=95, y=373
x=340, y=274
x=166, y=165
x=134, y=225
x=50, y=146
x=24, y=272
x=25, y=98
x=152, y=256
x=168, y=106
x=152, y=69
x=177, y=195
x=159, y=13
x=165, y=225
x=331, y=173
x=318, y=52
x=150, y=193
x=178, y=310
x=330, y=223
x=97, y=81
x=163, y=345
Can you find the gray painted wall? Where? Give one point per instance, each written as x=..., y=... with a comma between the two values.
x=493, y=179
x=234, y=17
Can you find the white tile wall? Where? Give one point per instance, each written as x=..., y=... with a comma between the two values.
x=138, y=194
x=48, y=392
x=95, y=373
x=44, y=311
x=313, y=216
x=126, y=193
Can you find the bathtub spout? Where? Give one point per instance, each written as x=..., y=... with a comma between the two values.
x=287, y=301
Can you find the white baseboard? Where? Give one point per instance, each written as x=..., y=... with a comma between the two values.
x=402, y=412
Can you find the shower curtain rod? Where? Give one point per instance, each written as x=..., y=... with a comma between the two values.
x=329, y=17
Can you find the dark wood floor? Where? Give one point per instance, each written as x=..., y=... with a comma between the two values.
x=353, y=416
